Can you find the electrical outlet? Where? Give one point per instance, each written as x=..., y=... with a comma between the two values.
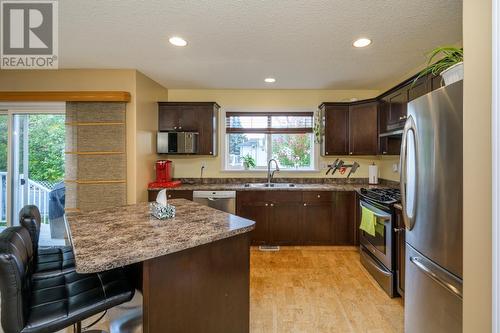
x=323, y=165
x=395, y=167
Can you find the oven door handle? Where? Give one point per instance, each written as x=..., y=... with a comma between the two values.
x=375, y=211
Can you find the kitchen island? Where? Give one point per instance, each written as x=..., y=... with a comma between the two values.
x=194, y=267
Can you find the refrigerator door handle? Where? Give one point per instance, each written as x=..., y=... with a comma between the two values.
x=409, y=127
x=435, y=273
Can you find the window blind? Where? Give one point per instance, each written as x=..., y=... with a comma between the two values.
x=269, y=122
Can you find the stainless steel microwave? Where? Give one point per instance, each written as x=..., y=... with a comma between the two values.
x=177, y=143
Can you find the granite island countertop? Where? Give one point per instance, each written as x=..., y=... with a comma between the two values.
x=120, y=236
x=235, y=185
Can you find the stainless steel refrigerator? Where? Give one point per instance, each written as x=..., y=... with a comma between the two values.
x=431, y=189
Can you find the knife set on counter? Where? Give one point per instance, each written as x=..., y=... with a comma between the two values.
x=160, y=208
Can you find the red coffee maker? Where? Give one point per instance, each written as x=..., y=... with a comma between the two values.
x=163, y=171
x=164, y=175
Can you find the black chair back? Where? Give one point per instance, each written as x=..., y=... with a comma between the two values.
x=30, y=218
x=16, y=268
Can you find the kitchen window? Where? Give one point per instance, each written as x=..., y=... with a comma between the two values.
x=256, y=137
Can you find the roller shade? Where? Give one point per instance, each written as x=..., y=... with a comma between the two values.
x=269, y=122
x=95, y=155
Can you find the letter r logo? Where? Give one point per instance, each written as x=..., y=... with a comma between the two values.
x=27, y=28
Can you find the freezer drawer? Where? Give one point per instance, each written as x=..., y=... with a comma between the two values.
x=433, y=297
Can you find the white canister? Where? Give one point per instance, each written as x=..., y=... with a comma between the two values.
x=373, y=174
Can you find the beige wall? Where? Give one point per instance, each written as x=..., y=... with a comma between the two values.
x=477, y=149
x=272, y=100
x=140, y=113
x=148, y=93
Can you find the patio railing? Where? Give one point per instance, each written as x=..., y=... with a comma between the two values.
x=38, y=195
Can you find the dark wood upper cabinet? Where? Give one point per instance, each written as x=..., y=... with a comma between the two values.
x=383, y=114
x=419, y=88
x=201, y=117
x=363, y=129
x=349, y=128
x=397, y=109
x=335, y=119
x=436, y=82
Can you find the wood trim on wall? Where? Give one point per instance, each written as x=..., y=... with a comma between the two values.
x=65, y=96
x=118, y=181
x=94, y=124
x=94, y=152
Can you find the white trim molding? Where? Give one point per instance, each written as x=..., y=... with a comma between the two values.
x=495, y=136
x=33, y=107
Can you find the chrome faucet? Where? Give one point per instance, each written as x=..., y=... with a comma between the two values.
x=270, y=174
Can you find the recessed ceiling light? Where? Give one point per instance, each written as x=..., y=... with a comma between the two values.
x=177, y=41
x=269, y=80
x=361, y=42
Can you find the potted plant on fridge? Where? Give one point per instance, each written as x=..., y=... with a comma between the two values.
x=450, y=66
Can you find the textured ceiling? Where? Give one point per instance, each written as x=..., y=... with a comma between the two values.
x=235, y=44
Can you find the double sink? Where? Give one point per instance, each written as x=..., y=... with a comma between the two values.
x=269, y=185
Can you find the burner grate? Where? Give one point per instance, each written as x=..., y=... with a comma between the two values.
x=382, y=195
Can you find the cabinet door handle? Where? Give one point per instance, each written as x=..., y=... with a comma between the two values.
x=210, y=152
x=272, y=205
x=175, y=127
x=267, y=205
x=350, y=153
x=326, y=153
x=305, y=204
x=180, y=127
x=170, y=195
x=319, y=195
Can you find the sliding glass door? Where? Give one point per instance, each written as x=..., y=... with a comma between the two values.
x=32, y=172
x=4, y=135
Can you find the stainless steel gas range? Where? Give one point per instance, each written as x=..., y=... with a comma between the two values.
x=378, y=252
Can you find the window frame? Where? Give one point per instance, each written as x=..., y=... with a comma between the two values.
x=269, y=131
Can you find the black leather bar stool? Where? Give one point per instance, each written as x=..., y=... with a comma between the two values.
x=49, y=261
x=36, y=304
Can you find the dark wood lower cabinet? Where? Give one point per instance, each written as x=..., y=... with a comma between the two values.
x=202, y=289
x=317, y=226
x=400, y=252
x=344, y=219
x=253, y=208
x=284, y=221
x=295, y=218
x=172, y=194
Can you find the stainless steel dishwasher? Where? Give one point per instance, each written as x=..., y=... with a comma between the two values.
x=221, y=200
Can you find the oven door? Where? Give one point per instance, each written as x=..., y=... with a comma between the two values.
x=379, y=245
